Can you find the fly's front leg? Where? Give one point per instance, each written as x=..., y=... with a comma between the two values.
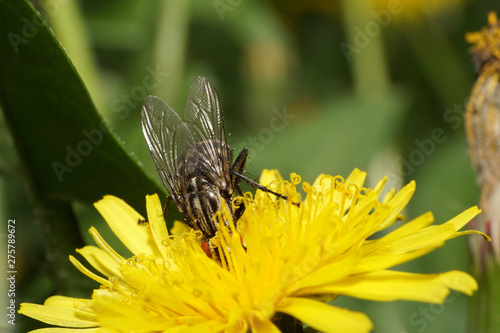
x=237, y=171
x=238, y=168
x=166, y=209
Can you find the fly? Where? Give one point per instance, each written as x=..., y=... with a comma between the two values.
x=194, y=159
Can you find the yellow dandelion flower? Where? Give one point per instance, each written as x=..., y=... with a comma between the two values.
x=279, y=258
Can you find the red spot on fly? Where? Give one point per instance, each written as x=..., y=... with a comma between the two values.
x=206, y=248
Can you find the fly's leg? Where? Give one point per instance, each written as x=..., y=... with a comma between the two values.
x=166, y=208
x=237, y=171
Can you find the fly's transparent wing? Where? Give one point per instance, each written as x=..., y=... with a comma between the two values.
x=204, y=117
x=168, y=137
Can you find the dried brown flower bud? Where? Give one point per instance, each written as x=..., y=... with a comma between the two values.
x=482, y=121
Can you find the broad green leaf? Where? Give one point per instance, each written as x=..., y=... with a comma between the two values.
x=66, y=148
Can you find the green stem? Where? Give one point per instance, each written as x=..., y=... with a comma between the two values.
x=433, y=52
x=485, y=303
x=170, y=48
x=60, y=234
x=364, y=37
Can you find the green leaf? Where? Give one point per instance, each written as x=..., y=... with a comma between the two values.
x=66, y=148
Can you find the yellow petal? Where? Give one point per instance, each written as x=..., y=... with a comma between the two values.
x=471, y=232
x=430, y=237
x=459, y=281
x=324, y=317
x=388, y=196
x=89, y=273
x=412, y=236
x=342, y=191
x=357, y=177
x=211, y=326
x=68, y=330
x=60, y=316
x=273, y=181
x=101, y=261
x=380, y=185
x=269, y=176
x=105, y=246
x=63, y=301
x=397, y=204
x=265, y=327
x=157, y=222
x=179, y=228
x=384, y=244
x=325, y=274
x=391, y=286
x=124, y=221
x=384, y=260
x=463, y=218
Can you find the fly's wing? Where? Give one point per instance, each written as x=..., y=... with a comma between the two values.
x=204, y=117
x=168, y=137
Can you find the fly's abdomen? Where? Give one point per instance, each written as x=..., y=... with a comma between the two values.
x=204, y=201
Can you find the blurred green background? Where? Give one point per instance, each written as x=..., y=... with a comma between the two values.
x=308, y=86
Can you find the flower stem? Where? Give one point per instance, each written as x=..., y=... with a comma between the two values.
x=485, y=304
x=370, y=73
